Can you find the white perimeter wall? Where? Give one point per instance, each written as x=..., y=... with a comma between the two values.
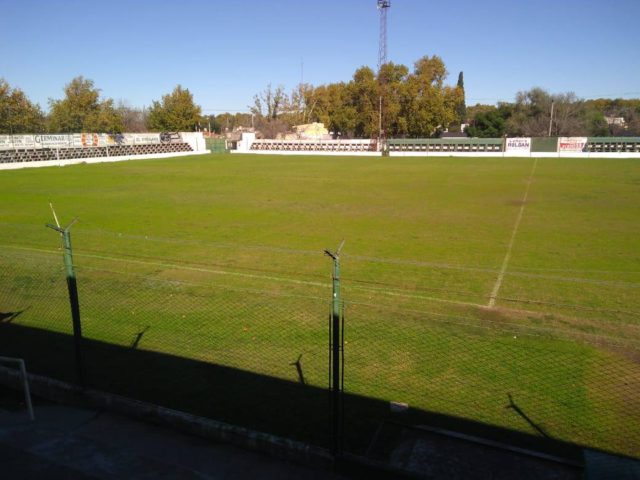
x=195, y=140
x=511, y=155
x=445, y=154
x=75, y=161
x=309, y=152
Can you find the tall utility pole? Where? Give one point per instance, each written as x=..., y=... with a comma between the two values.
x=383, y=6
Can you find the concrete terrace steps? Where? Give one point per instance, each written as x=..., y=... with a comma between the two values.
x=50, y=154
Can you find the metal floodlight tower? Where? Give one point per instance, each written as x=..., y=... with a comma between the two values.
x=383, y=6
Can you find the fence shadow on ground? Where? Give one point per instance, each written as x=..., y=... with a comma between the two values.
x=287, y=408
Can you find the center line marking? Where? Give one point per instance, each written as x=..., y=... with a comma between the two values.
x=507, y=257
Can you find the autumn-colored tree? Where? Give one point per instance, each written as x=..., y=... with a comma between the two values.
x=431, y=105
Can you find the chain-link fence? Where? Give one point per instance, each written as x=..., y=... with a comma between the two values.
x=536, y=388
x=248, y=357
x=243, y=353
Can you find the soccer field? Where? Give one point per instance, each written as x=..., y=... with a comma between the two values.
x=466, y=281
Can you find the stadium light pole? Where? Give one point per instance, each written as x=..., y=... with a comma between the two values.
x=551, y=118
x=383, y=6
x=336, y=366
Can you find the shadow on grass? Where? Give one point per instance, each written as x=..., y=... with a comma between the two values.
x=286, y=408
x=9, y=317
x=138, y=336
x=516, y=408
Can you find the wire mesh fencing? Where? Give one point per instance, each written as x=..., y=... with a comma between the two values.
x=33, y=299
x=544, y=389
x=239, y=350
x=245, y=356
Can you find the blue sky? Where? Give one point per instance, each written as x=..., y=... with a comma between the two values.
x=226, y=51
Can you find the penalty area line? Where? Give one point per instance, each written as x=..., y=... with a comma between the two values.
x=507, y=257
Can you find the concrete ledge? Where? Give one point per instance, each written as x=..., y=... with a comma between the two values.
x=62, y=392
x=76, y=161
x=525, y=155
x=446, y=154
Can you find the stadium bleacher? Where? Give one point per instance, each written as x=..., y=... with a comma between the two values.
x=38, y=154
x=446, y=145
x=316, y=145
x=613, y=144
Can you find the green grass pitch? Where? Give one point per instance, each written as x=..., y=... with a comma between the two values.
x=219, y=258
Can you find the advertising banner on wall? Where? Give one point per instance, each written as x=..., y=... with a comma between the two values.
x=53, y=141
x=518, y=146
x=85, y=140
x=572, y=144
x=80, y=140
x=11, y=142
x=146, y=138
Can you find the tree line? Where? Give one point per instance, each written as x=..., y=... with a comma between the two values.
x=83, y=109
x=399, y=101
x=414, y=103
x=538, y=113
x=417, y=103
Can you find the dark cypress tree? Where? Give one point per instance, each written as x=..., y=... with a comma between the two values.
x=461, y=110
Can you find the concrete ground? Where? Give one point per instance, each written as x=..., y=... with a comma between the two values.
x=77, y=443
x=73, y=443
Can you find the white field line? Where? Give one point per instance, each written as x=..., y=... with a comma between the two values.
x=178, y=267
x=247, y=275
x=507, y=257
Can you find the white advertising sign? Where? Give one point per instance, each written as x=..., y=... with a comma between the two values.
x=146, y=138
x=5, y=142
x=572, y=144
x=79, y=140
x=521, y=145
x=83, y=140
x=10, y=142
x=53, y=141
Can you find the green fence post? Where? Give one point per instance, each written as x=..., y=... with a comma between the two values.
x=336, y=366
x=73, y=296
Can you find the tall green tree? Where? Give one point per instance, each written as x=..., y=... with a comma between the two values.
x=364, y=96
x=461, y=108
x=17, y=113
x=488, y=123
x=82, y=110
x=176, y=112
x=393, y=80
